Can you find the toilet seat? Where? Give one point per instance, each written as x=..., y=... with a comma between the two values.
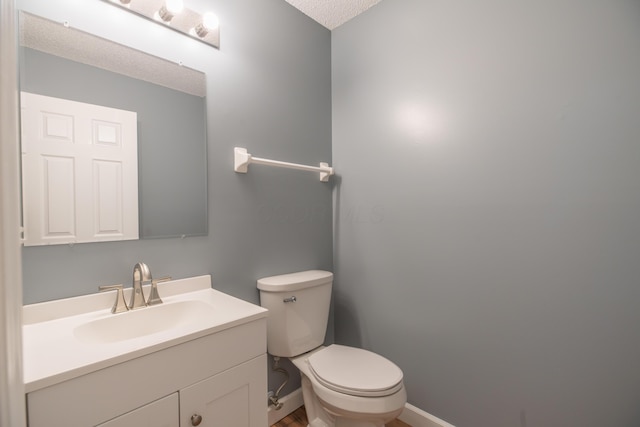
x=355, y=371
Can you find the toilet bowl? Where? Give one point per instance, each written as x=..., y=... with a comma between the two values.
x=347, y=386
x=341, y=385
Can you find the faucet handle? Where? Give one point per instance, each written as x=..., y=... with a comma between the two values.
x=154, y=297
x=119, y=305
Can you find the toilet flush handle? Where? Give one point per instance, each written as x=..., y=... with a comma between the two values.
x=290, y=299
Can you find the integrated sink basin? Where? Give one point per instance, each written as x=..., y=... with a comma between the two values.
x=147, y=321
x=65, y=339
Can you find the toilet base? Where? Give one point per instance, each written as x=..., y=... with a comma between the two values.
x=328, y=408
x=323, y=414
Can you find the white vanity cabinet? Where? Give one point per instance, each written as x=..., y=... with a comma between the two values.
x=219, y=377
x=234, y=397
x=207, y=375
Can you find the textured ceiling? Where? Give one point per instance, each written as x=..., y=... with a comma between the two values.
x=332, y=13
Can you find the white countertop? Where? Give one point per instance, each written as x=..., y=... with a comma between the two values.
x=53, y=352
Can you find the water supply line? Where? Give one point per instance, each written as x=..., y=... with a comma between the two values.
x=275, y=399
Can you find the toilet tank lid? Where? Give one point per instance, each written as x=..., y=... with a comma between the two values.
x=295, y=281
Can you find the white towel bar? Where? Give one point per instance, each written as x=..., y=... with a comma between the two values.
x=242, y=160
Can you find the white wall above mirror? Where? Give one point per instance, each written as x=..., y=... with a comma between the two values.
x=168, y=99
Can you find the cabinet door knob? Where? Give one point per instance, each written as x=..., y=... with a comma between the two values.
x=196, y=419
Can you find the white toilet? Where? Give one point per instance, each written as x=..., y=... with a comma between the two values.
x=341, y=386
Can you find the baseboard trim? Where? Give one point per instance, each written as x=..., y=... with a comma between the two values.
x=290, y=403
x=416, y=417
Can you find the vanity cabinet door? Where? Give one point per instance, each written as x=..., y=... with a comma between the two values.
x=161, y=413
x=235, y=397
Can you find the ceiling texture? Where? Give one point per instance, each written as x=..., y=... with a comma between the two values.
x=332, y=13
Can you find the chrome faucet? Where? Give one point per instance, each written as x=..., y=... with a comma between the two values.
x=141, y=275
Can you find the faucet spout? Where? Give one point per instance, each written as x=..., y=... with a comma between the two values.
x=141, y=275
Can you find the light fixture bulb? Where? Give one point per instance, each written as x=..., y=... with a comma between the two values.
x=209, y=22
x=174, y=6
x=169, y=9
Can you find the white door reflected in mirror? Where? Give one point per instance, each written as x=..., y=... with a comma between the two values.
x=79, y=172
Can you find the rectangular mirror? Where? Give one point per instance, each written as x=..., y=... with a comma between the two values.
x=167, y=98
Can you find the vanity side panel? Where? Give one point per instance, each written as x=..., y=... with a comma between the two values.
x=102, y=395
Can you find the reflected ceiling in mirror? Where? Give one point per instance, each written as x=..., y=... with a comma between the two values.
x=170, y=101
x=60, y=40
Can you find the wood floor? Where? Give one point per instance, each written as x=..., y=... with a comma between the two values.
x=299, y=419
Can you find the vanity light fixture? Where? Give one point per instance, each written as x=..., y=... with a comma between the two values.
x=172, y=14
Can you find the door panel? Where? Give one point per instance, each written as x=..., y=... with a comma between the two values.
x=80, y=172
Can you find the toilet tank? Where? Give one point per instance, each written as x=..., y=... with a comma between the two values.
x=298, y=305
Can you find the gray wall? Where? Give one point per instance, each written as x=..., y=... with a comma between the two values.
x=268, y=89
x=488, y=214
